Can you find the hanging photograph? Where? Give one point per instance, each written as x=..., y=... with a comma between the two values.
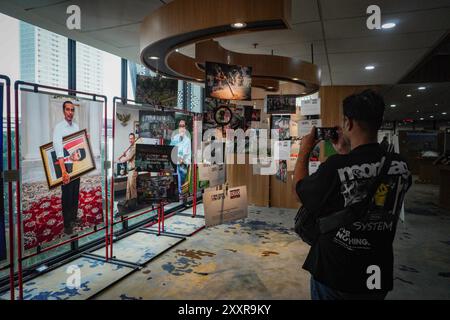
x=156, y=91
x=62, y=188
x=281, y=124
x=77, y=157
x=281, y=104
x=228, y=82
x=156, y=125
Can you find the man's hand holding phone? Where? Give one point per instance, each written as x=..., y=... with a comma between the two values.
x=341, y=144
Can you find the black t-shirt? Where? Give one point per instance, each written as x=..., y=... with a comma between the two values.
x=341, y=259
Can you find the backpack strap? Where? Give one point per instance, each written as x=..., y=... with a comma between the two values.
x=356, y=211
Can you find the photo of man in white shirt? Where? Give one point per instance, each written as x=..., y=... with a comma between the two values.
x=70, y=188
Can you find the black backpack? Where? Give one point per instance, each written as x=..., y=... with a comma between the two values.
x=309, y=228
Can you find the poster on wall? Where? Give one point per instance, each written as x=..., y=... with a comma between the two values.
x=156, y=91
x=310, y=107
x=223, y=206
x=53, y=211
x=295, y=149
x=153, y=189
x=281, y=124
x=2, y=211
x=228, y=82
x=305, y=126
x=282, y=171
x=280, y=104
x=157, y=125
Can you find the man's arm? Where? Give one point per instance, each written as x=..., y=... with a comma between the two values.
x=59, y=150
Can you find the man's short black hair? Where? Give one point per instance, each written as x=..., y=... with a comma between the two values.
x=132, y=134
x=64, y=104
x=367, y=108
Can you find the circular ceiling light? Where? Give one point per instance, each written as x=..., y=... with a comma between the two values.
x=431, y=117
x=238, y=25
x=388, y=25
x=295, y=79
x=393, y=105
x=436, y=104
x=408, y=95
x=422, y=119
x=153, y=58
x=269, y=88
x=422, y=88
x=370, y=67
x=444, y=113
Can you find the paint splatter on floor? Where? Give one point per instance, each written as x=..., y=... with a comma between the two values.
x=269, y=253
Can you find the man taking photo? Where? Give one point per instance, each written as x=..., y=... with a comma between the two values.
x=355, y=259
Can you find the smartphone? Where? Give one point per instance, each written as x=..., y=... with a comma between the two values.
x=327, y=133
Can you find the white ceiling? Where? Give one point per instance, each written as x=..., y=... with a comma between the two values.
x=342, y=44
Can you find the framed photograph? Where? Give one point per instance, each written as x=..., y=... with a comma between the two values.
x=78, y=158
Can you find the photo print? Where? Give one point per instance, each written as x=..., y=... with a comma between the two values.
x=281, y=123
x=61, y=180
x=157, y=125
x=228, y=82
x=153, y=189
x=156, y=91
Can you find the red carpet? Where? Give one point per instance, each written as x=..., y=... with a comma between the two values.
x=43, y=221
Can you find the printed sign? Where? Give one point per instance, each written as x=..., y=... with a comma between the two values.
x=310, y=107
x=305, y=126
x=214, y=173
x=223, y=206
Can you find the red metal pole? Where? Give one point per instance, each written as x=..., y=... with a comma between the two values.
x=10, y=196
x=112, y=180
x=18, y=204
x=194, y=208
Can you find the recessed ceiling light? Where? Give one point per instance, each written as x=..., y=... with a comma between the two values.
x=388, y=25
x=422, y=119
x=295, y=79
x=393, y=105
x=370, y=67
x=431, y=117
x=444, y=113
x=238, y=25
x=422, y=88
x=436, y=104
x=270, y=88
x=153, y=58
x=408, y=95
x=177, y=50
x=417, y=111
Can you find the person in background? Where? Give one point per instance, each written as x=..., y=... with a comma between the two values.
x=356, y=260
x=385, y=143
